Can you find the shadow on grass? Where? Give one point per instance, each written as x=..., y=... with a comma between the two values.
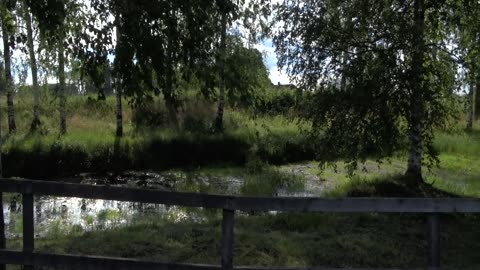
x=289, y=240
x=393, y=186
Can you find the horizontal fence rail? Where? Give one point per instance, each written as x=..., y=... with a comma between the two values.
x=283, y=204
x=229, y=204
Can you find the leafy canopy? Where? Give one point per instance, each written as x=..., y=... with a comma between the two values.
x=357, y=59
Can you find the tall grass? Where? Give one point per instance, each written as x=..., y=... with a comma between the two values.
x=461, y=143
x=90, y=143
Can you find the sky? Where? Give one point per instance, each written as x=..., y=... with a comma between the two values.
x=265, y=47
x=270, y=60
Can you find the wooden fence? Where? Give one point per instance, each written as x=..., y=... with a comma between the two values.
x=28, y=188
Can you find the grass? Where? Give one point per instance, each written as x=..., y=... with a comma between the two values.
x=90, y=144
x=284, y=240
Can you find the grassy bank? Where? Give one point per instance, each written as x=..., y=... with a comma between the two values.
x=90, y=144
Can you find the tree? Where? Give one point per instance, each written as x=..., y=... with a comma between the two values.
x=2, y=221
x=61, y=24
x=166, y=40
x=62, y=98
x=34, y=68
x=229, y=11
x=221, y=67
x=471, y=105
x=467, y=35
x=7, y=30
x=245, y=72
x=118, y=85
x=161, y=40
x=397, y=69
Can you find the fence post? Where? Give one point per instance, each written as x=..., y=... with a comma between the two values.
x=2, y=229
x=227, y=239
x=28, y=230
x=434, y=242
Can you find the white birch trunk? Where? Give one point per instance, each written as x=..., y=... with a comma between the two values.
x=8, y=80
x=416, y=121
x=471, y=106
x=33, y=65
x=221, y=96
x=61, y=88
x=118, y=94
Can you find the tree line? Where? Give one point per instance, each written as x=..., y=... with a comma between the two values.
x=154, y=45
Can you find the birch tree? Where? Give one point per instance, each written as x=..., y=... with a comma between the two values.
x=118, y=86
x=221, y=66
x=62, y=98
x=7, y=35
x=398, y=70
x=34, y=69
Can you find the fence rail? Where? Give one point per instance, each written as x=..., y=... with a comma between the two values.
x=229, y=204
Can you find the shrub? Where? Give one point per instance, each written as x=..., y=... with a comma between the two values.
x=150, y=114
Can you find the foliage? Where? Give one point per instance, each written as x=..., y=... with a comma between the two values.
x=361, y=60
x=194, y=116
x=275, y=101
x=91, y=144
x=245, y=73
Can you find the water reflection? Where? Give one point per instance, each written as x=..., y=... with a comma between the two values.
x=58, y=213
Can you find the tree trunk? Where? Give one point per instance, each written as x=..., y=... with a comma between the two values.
x=221, y=97
x=476, y=99
x=416, y=119
x=169, y=93
x=119, y=115
x=107, y=89
x=471, y=106
x=118, y=111
x=61, y=88
x=2, y=218
x=343, y=82
x=8, y=80
x=33, y=64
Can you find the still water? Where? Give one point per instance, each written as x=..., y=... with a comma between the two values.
x=59, y=213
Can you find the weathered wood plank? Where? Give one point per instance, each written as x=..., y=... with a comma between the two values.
x=75, y=262
x=92, y=262
x=433, y=242
x=347, y=205
x=319, y=268
x=2, y=230
x=113, y=193
x=28, y=225
x=227, y=239
x=28, y=229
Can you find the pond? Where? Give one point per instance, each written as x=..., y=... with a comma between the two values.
x=54, y=214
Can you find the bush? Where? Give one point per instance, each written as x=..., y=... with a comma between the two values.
x=276, y=101
x=193, y=116
x=150, y=114
x=197, y=117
